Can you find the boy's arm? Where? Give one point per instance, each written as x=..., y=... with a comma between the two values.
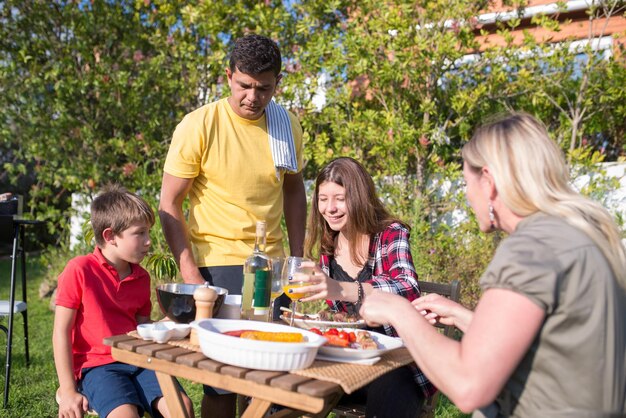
x=71, y=402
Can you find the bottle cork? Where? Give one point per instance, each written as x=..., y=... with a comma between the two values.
x=205, y=298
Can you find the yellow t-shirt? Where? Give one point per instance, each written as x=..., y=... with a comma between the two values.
x=235, y=182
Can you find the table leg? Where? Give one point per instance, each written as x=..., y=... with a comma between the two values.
x=257, y=408
x=329, y=407
x=172, y=395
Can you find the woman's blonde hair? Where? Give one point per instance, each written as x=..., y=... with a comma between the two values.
x=531, y=176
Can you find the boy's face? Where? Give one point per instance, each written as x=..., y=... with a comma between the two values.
x=133, y=243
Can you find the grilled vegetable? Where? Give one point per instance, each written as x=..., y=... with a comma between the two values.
x=236, y=333
x=336, y=341
x=283, y=337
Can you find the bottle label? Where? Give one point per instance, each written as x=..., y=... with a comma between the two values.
x=247, y=291
x=261, y=289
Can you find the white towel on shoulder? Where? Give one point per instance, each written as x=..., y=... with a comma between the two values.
x=281, y=138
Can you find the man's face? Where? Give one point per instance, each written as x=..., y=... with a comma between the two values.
x=250, y=94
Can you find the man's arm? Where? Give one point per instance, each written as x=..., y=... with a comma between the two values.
x=173, y=193
x=294, y=207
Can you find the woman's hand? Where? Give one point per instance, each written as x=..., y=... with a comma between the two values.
x=72, y=404
x=319, y=285
x=382, y=308
x=436, y=308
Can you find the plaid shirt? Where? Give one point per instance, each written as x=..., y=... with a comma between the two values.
x=392, y=268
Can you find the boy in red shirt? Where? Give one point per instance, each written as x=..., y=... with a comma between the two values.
x=102, y=294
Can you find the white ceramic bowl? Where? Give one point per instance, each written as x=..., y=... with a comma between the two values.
x=253, y=354
x=163, y=331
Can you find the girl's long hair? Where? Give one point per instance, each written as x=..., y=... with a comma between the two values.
x=366, y=213
x=531, y=176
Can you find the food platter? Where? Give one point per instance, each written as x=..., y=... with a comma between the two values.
x=253, y=354
x=308, y=323
x=384, y=342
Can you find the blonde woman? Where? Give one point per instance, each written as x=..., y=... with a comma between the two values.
x=548, y=336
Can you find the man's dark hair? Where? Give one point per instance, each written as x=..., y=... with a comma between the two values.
x=255, y=54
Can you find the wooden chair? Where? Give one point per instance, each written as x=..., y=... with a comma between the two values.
x=450, y=290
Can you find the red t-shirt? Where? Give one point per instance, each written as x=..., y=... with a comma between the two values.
x=105, y=306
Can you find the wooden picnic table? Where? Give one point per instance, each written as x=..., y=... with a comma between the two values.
x=298, y=394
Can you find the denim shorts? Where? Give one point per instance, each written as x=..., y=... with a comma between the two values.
x=111, y=385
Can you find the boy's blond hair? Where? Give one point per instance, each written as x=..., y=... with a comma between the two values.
x=118, y=209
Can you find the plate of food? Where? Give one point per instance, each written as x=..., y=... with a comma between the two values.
x=322, y=320
x=354, y=343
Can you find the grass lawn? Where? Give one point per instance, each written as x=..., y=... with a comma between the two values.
x=32, y=388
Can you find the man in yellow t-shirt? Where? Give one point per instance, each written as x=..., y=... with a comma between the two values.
x=220, y=157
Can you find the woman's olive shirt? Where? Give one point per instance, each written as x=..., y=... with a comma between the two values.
x=576, y=366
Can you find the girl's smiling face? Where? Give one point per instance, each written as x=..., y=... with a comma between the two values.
x=332, y=205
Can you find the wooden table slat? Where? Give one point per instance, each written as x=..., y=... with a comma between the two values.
x=132, y=345
x=210, y=365
x=234, y=371
x=262, y=376
x=191, y=359
x=172, y=353
x=318, y=388
x=289, y=381
x=111, y=341
x=152, y=349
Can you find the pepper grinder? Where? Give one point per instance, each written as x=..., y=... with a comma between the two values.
x=205, y=298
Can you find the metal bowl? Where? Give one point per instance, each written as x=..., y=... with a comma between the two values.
x=177, y=303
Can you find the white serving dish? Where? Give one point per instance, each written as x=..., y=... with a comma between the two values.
x=316, y=323
x=252, y=354
x=163, y=331
x=385, y=343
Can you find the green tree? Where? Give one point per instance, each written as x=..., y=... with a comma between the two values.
x=92, y=91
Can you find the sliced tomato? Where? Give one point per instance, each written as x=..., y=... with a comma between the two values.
x=315, y=331
x=344, y=335
x=352, y=336
x=331, y=331
x=335, y=340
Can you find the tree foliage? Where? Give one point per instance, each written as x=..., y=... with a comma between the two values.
x=91, y=91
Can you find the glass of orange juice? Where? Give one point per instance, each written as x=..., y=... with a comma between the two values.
x=292, y=266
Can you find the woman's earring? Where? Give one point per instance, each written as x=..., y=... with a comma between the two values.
x=492, y=218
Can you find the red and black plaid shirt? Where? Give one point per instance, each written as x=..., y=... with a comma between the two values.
x=391, y=265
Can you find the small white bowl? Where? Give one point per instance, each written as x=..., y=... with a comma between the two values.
x=163, y=331
x=145, y=331
x=253, y=354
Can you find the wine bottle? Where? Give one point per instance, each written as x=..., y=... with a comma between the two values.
x=255, y=294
